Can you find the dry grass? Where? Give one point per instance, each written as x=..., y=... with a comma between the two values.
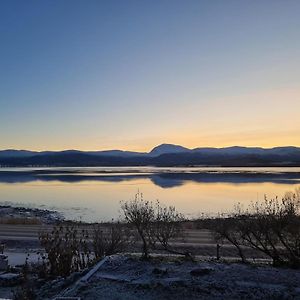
x=20, y=221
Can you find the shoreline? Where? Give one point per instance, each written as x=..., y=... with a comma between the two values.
x=21, y=215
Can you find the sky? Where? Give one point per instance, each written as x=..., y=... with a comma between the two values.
x=92, y=75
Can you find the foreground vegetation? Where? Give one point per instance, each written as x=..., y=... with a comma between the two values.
x=71, y=248
x=271, y=227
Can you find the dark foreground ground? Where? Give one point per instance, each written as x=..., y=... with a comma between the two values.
x=127, y=277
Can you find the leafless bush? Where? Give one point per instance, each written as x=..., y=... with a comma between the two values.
x=167, y=226
x=141, y=214
x=110, y=239
x=153, y=223
x=228, y=229
x=67, y=249
x=271, y=227
x=257, y=228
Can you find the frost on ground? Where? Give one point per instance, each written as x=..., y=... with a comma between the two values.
x=127, y=277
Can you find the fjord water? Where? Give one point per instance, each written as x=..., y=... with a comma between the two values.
x=94, y=194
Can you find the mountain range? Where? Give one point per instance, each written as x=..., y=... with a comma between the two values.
x=162, y=155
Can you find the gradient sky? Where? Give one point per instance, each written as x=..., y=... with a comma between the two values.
x=133, y=74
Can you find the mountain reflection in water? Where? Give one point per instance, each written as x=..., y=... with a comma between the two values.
x=94, y=194
x=165, y=178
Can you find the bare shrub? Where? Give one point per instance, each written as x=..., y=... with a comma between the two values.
x=288, y=227
x=110, y=239
x=155, y=224
x=228, y=229
x=141, y=214
x=67, y=250
x=168, y=226
x=257, y=228
x=271, y=227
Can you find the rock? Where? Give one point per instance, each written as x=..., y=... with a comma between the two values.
x=10, y=279
x=176, y=281
x=201, y=271
x=160, y=271
x=67, y=298
x=113, y=277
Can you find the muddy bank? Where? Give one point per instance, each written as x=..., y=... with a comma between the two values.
x=23, y=215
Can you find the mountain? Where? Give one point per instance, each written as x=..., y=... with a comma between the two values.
x=162, y=155
x=167, y=148
x=231, y=150
x=16, y=153
x=120, y=153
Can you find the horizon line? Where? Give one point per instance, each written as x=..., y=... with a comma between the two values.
x=116, y=149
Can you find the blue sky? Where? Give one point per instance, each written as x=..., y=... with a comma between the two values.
x=133, y=74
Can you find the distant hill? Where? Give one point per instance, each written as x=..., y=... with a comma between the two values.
x=162, y=155
x=120, y=153
x=167, y=148
x=16, y=153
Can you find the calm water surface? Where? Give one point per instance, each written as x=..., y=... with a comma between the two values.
x=94, y=194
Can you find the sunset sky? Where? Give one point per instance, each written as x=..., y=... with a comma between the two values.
x=94, y=75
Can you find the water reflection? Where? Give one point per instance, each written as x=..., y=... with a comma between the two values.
x=165, y=178
x=96, y=194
